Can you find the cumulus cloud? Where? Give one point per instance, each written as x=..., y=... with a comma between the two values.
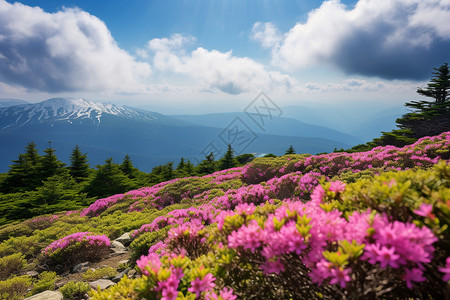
x=69, y=50
x=267, y=34
x=392, y=39
x=214, y=69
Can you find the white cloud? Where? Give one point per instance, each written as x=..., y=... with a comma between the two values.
x=69, y=50
x=387, y=38
x=214, y=69
x=267, y=34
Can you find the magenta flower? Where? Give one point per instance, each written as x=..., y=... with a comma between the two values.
x=446, y=270
x=340, y=276
x=425, y=210
x=318, y=194
x=337, y=186
x=202, y=285
x=413, y=275
x=272, y=267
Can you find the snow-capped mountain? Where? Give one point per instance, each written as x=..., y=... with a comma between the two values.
x=69, y=110
x=5, y=102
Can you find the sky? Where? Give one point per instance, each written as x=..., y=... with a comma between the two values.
x=199, y=56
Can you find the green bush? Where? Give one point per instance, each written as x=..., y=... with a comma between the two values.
x=11, y=264
x=15, y=288
x=45, y=282
x=75, y=290
x=91, y=275
x=142, y=244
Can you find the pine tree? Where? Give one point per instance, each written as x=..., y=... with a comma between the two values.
x=23, y=173
x=108, y=180
x=79, y=167
x=291, y=150
x=127, y=167
x=208, y=165
x=49, y=164
x=189, y=168
x=228, y=161
x=181, y=164
x=439, y=85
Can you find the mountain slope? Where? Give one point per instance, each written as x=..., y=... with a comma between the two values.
x=107, y=130
x=6, y=102
x=274, y=125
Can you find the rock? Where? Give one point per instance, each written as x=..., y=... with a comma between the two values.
x=118, y=248
x=124, y=262
x=120, y=275
x=80, y=267
x=101, y=283
x=47, y=295
x=125, y=239
x=32, y=273
x=131, y=273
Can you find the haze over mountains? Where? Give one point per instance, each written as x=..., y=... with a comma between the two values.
x=108, y=130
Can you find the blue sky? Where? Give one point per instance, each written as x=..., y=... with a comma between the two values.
x=209, y=55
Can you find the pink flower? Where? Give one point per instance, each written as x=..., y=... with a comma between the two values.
x=340, y=276
x=337, y=186
x=425, y=210
x=202, y=285
x=387, y=256
x=318, y=194
x=446, y=270
x=272, y=267
x=413, y=275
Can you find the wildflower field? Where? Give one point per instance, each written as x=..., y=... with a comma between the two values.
x=342, y=225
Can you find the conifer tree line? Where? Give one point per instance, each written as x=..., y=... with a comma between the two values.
x=426, y=117
x=37, y=184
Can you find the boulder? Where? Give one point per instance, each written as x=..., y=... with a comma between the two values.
x=125, y=239
x=118, y=248
x=120, y=275
x=101, y=283
x=47, y=295
x=81, y=267
x=32, y=273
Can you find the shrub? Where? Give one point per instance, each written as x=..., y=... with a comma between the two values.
x=91, y=275
x=75, y=290
x=11, y=264
x=75, y=248
x=125, y=289
x=46, y=281
x=15, y=288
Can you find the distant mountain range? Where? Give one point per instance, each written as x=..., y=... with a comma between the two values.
x=4, y=102
x=107, y=130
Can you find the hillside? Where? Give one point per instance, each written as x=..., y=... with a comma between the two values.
x=361, y=225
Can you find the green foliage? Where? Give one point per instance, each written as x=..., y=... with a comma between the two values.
x=208, y=165
x=125, y=289
x=109, y=180
x=92, y=275
x=290, y=150
x=142, y=244
x=228, y=161
x=79, y=167
x=15, y=288
x=11, y=264
x=49, y=164
x=75, y=290
x=46, y=282
x=245, y=158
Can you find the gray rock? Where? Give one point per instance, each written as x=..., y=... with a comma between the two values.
x=125, y=239
x=120, y=275
x=32, y=273
x=80, y=267
x=101, y=283
x=124, y=262
x=118, y=248
x=131, y=273
x=47, y=295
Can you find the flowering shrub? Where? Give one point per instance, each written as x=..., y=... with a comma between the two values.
x=75, y=248
x=42, y=222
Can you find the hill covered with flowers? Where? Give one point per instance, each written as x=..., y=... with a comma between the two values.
x=341, y=225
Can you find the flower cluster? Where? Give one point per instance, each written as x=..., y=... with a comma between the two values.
x=94, y=240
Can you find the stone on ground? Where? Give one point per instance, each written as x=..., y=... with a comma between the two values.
x=47, y=295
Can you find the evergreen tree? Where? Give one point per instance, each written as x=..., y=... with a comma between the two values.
x=181, y=164
x=439, y=85
x=228, y=160
x=290, y=150
x=79, y=168
x=189, y=168
x=208, y=165
x=23, y=174
x=108, y=180
x=49, y=164
x=127, y=167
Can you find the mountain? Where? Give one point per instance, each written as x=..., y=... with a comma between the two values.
x=272, y=125
x=364, y=123
x=5, y=102
x=107, y=130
